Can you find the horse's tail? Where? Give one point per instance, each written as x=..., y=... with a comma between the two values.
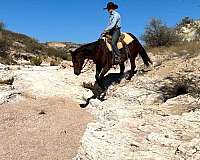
x=147, y=61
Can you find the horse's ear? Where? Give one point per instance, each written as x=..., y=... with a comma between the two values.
x=71, y=51
x=100, y=40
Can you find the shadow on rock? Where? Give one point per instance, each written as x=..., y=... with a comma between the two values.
x=99, y=92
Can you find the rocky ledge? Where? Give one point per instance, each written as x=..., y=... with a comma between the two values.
x=156, y=115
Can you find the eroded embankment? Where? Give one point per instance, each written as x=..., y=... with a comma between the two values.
x=39, y=119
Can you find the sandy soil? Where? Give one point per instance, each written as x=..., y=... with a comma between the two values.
x=41, y=129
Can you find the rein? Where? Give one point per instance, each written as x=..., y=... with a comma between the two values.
x=85, y=66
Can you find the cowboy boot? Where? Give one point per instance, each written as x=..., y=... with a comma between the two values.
x=117, y=59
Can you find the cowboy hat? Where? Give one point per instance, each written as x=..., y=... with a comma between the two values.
x=111, y=5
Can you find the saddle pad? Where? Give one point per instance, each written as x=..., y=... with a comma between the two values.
x=128, y=39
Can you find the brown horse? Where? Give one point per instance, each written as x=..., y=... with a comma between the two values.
x=102, y=57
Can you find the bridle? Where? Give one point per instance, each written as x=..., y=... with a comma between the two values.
x=85, y=66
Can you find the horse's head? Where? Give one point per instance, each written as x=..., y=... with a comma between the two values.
x=77, y=60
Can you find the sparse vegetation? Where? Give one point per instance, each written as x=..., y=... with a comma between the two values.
x=57, y=53
x=26, y=44
x=4, y=46
x=159, y=34
x=161, y=40
x=7, y=81
x=36, y=60
x=179, y=86
x=185, y=21
x=185, y=48
x=54, y=62
x=3, y=43
x=198, y=33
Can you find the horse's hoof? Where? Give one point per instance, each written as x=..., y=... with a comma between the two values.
x=83, y=105
x=128, y=77
x=102, y=89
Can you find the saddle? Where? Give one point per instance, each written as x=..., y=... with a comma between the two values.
x=109, y=38
x=124, y=40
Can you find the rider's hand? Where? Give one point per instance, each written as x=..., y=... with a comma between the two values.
x=104, y=33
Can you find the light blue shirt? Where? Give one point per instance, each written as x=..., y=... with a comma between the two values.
x=114, y=20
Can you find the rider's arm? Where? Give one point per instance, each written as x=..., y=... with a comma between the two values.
x=113, y=22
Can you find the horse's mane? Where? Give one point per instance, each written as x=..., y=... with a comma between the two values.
x=88, y=46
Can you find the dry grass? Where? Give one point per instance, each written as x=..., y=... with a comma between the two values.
x=190, y=49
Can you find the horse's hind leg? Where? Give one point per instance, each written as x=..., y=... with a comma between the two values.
x=133, y=66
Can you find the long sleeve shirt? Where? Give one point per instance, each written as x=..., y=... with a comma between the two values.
x=114, y=20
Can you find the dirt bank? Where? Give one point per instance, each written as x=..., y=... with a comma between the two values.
x=42, y=128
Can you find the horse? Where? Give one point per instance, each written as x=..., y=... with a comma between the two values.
x=99, y=53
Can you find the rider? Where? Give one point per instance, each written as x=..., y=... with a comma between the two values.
x=114, y=30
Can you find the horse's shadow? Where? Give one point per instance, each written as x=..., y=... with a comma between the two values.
x=110, y=79
x=99, y=93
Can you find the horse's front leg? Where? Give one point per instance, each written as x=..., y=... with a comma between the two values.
x=98, y=71
x=101, y=76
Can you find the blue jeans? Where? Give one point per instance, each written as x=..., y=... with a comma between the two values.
x=115, y=33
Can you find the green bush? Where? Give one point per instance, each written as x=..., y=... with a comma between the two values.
x=159, y=34
x=36, y=60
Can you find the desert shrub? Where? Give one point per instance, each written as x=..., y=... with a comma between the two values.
x=3, y=47
x=2, y=25
x=33, y=46
x=68, y=56
x=3, y=42
x=58, y=53
x=179, y=85
x=7, y=81
x=1, y=29
x=198, y=33
x=36, y=60
x=54, y=62
x=159, y=34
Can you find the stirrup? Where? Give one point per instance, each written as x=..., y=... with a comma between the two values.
x=116, y=61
